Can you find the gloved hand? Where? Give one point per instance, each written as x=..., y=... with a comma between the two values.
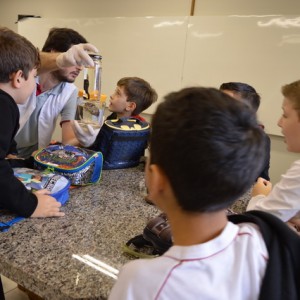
x=86, y=135
x=76, y=56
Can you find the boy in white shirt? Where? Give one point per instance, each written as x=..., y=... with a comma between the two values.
x=283, y=200
x=197, y=167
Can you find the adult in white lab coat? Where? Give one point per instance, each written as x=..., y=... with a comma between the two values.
x=55, y=95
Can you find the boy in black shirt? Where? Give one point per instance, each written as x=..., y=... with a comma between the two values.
x=18, y=68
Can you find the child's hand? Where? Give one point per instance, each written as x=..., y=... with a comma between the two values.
x=262, y=187
x=86, y=135
x=12, y=156
x=47, y=206
x=294, y=224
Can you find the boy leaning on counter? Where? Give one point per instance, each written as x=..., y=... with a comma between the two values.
x=19, y=64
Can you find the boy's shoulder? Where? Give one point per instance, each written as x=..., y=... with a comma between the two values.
x=276, y=234
x=138, y=117
x=7, y=101
x=194, y=265
x=283, y=246
x=267, y=223
x=238, y=240
x=5, y=96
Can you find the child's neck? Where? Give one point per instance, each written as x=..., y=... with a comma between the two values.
x=125, y=114
x=196, y=228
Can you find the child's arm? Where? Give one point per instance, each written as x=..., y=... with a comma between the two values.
x=17, y=199
x=283, y=199
x=14, y=195
x=68, y=135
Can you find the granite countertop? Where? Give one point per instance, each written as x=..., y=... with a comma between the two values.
x=58, y=258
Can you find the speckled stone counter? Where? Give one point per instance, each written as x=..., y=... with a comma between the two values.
x=48, y=256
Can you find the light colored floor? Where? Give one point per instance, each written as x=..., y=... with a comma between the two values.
x=11, y=290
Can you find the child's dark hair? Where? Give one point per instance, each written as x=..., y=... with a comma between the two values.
x=208, y=145
x=244, y=91
x=17, y=53
x=139, y=91
x=61, y=39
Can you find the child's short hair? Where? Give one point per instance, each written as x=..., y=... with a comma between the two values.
x=61, y=39
x=139, y=91
x=208, y=145
x=16, y=53
x=245, y=92
x=292, y=92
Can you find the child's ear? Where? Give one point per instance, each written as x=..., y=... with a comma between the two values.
x=17, y=79
x=131, y=106
x=157, y=180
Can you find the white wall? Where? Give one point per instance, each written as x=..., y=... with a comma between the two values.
x=9, y=9
x=246, y=7
x=280, y=158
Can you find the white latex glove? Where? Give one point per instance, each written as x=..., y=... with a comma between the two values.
x=85, y=134
x=77, y=55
